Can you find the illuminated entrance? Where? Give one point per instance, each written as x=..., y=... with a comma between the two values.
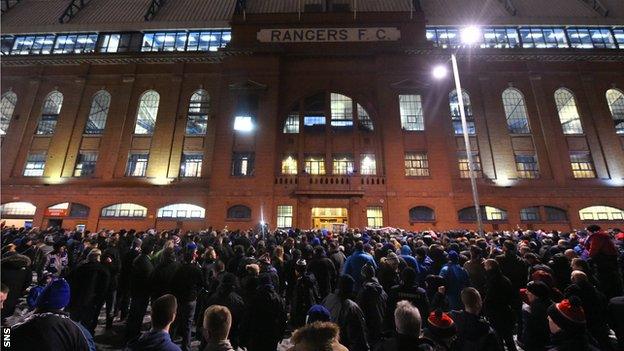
x=329, y=218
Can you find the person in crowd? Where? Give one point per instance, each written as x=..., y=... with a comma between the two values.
x=157, y=338
x=317, y=336
x=265, y=318
x=323, y=270
x=456, y=278
x=440, y=329
x=497, y=304
x=216, y=327
x=49, y=328
x=140, y=275
x=36, y=290
x=409, y=259
x=337, y=256
x=354, y=263
x=372, y=299
x=603, y=256
x=567, y=324
x=535, y=335
x=112, y=262
x=123, y=290
x=474, y=333
x=4, y=292
x=407, y=290
x=475, y=268
x=227, y=296
x=615, y=311
x=17, y=275
x=408, y=322
x=515, y=269
x=388, y=273
x=318, y=313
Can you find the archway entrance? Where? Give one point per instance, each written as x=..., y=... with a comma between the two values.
x=330, y=218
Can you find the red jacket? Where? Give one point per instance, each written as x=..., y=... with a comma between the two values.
x=601, y=243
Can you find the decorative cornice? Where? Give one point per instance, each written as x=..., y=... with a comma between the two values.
x=108, y=59
x=611, y=56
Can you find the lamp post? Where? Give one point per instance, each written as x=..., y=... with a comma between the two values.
x=469, y=36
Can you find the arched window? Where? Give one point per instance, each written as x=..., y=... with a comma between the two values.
x=147, y=113
x=455, y=112
x=7, y=106
x=568, y=112
x=515, y=111
x=124, y=210
x=555, y=214
x=98, y=113
x=341, y=110
x=488, y=213
x=615, y=99
x=50, y=113
x=239, y=212
x=11, y=209
x=421, y=214
x=601, y=213
x=67, y=209
x=366, y=123
x=530, y=214
x=181, y=211
x=198, y=111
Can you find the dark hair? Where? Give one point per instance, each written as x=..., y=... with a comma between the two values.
x=408, y=275
x=163, y=311
x=359, y=245
x=4, y=288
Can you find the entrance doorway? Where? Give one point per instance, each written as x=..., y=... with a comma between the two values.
x=55, y=222
x=330, y=218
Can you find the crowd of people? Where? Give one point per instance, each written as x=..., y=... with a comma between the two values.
x=357, y=290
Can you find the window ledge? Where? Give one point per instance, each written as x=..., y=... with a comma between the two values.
x=238, y=219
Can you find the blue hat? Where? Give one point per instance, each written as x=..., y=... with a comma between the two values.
x=316, y=242
x=453, y=256
x=55, y=296
x=191, y=246
x=318, y=313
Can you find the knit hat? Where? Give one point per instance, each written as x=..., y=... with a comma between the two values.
x=539, y=289
x=55, y=296
x=441, y=324
x=316, y=242
x=368, y=271
x=318, y=313
x=453, y=256
x=568, y=314
x=191, y=246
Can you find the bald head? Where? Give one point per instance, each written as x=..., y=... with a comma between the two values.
x=578, y=277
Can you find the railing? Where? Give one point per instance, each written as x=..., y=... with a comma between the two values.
x=330, y=183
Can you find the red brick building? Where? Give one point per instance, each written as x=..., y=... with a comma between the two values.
x=311, y=113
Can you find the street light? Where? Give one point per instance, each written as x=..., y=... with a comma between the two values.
x=469, y=36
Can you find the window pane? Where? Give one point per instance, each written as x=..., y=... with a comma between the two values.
x=198, y=111
x=35, y=164
x=411, y=112
x=284, y=216
x=368, y=166
x=515, y=111
x=181, y=211
x=568, y=112
x=50, y=113
x=291, y=125
x=615, y=99
x=342, y=164
x=374, y=216
x=456, y=114
x=315, y=165
x=464, y=170
x=416, y=165
x=147, y=113
x=124, y=210
x=98, y=113
x=582, y=165
x=191, y=164
x=421, y=214
x=341, y=111
x=7, y=106
x=527, y=166
x=530, y=214
x=137, y=164
x=85, y=164
x=289, y=165
x=605, y=213
x=242, y=164
x=366, y=123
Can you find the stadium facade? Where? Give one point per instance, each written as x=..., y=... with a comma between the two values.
x=190, y=113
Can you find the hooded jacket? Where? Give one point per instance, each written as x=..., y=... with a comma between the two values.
x=372, y=299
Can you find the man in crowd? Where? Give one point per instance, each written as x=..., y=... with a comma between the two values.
x=158, y=339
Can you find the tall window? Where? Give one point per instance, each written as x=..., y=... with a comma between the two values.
x=366, y=123
x=50, y=113
x=137, y=164
x=314, y=165
x=291, y=126
x=246, y=112
x=527, y=167
x=341, y=111
x=368, y=165
x=289, y=165
x=411, y=112
x=191, y=164
x=85, y=163
x=515, y=111
x=456, y=114
x=98, y=113
x=35, y=163
x=601, y=213
x=416, y=165
x=374, y=217
x=342, y=164
x=124, y=210
x=582, y=165
x=464, y=170
x=199, y=108
x=314, y=112
x=181, y=211
x=147, y=113
x=615, y=99
x=7, y=106
x=568, y=112
x=242, y=164
x=284, y=216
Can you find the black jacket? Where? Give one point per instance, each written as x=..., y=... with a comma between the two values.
x=89, y=285
x=187, y=282
x=50, y=331
x=474, y=333
x=162, y=277
x=305, y=295
x=372, y=299
x=265, y=317
x=497, y=302
x=140, y=275
x=325, y=274
x=535, y=331
x=417, y=296
x=350, y=318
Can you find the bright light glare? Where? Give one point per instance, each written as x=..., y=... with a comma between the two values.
x=439, y=72
x=470, y=35
x=243, y=124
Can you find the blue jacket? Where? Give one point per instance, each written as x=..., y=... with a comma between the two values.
x=153, y=340
x=406, y=254
x=456, y=280
x=353, y=266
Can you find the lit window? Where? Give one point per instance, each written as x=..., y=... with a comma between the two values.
x=456, y=114
x=416, y=165
x=500, y=38
x=124, y=210
x=582, y=165
x=464, y=170
x=368, y=166
x=137, y=164
x=147, y=113
x=530, y=214
x=239, y=212
x=615, y=99
x=243, y=124
x=341, y=111
x=515, y=111
x=342, y=164
x=75, y=43
x=374, y=217
x=488, y=213
x=291, y=126
x=110, y=43
x=284, y=216
x=315, y=165
x=181, y=211
x=589, y=38
x=568, y=112
x=191, y=165
x=289, y=165
x=554, y=214
x=527, y=167
x=50, y=113
x=411, y=112
x=35, y=163
x=7, y=106
x=601, y=213
x=443, y=37
x=619, y=36
x=541, y=38
x=17, y=209
x=242, y=164
x=421, y=214
x=85, y=163
x=366, y=123
x=314, y=115
x=98, y=113
x=199, y=108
